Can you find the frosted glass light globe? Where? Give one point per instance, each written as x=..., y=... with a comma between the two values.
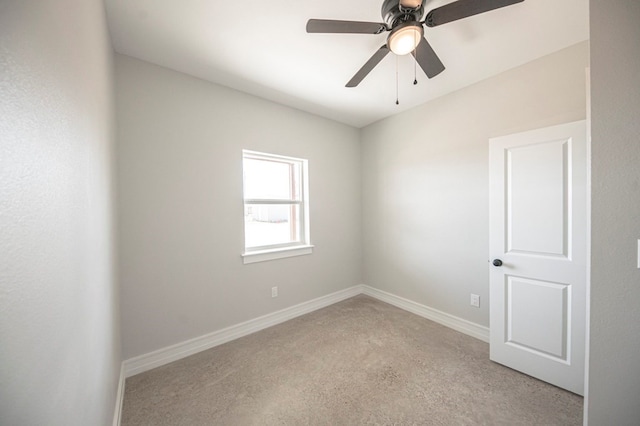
x=404, y=40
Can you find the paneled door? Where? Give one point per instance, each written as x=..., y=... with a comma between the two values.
x=538, y=253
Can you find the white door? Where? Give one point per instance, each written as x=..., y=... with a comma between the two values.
x=538, y=249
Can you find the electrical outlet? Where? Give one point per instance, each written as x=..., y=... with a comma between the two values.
x=475, y=300
x=274, y=291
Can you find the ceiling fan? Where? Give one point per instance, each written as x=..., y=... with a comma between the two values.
x=402, y=19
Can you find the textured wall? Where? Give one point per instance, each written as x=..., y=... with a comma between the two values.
x=59, y=338
x=179, y=151
x=614, y=368
x=426, y=183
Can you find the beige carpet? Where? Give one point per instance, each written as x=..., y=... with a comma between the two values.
x=360, y=361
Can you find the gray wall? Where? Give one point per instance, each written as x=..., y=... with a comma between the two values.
x=614, y=368
x=179, y=152
x=425, y=180
x=59, y=334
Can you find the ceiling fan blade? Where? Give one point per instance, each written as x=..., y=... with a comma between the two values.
x=344, y=27
x=462, y=9
x=366, y=68
x=427, y=59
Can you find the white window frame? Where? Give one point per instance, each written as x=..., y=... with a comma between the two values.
x=277, y=251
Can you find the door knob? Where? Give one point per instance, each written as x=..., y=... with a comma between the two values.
x=497, y=262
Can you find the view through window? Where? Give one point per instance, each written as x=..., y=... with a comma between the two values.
x=274, y=201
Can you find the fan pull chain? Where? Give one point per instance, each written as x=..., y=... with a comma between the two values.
x=415, y=63
x=397, y=101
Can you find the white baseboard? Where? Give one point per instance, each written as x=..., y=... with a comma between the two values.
x=467, y=327
x=117, y=415
x=178, y=351
x=181, y=350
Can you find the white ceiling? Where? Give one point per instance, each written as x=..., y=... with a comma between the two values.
x=261, y=47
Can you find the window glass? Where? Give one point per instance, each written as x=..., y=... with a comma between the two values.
x=268, y=224
x=268, y=179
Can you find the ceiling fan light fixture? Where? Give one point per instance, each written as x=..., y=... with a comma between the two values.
x=405, y=38
x=411, y=4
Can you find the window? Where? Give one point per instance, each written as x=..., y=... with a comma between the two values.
x=276, y=219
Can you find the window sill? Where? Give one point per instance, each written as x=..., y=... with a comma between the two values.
x=265, y=255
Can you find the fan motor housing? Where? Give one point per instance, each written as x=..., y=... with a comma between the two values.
x=393, y=15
